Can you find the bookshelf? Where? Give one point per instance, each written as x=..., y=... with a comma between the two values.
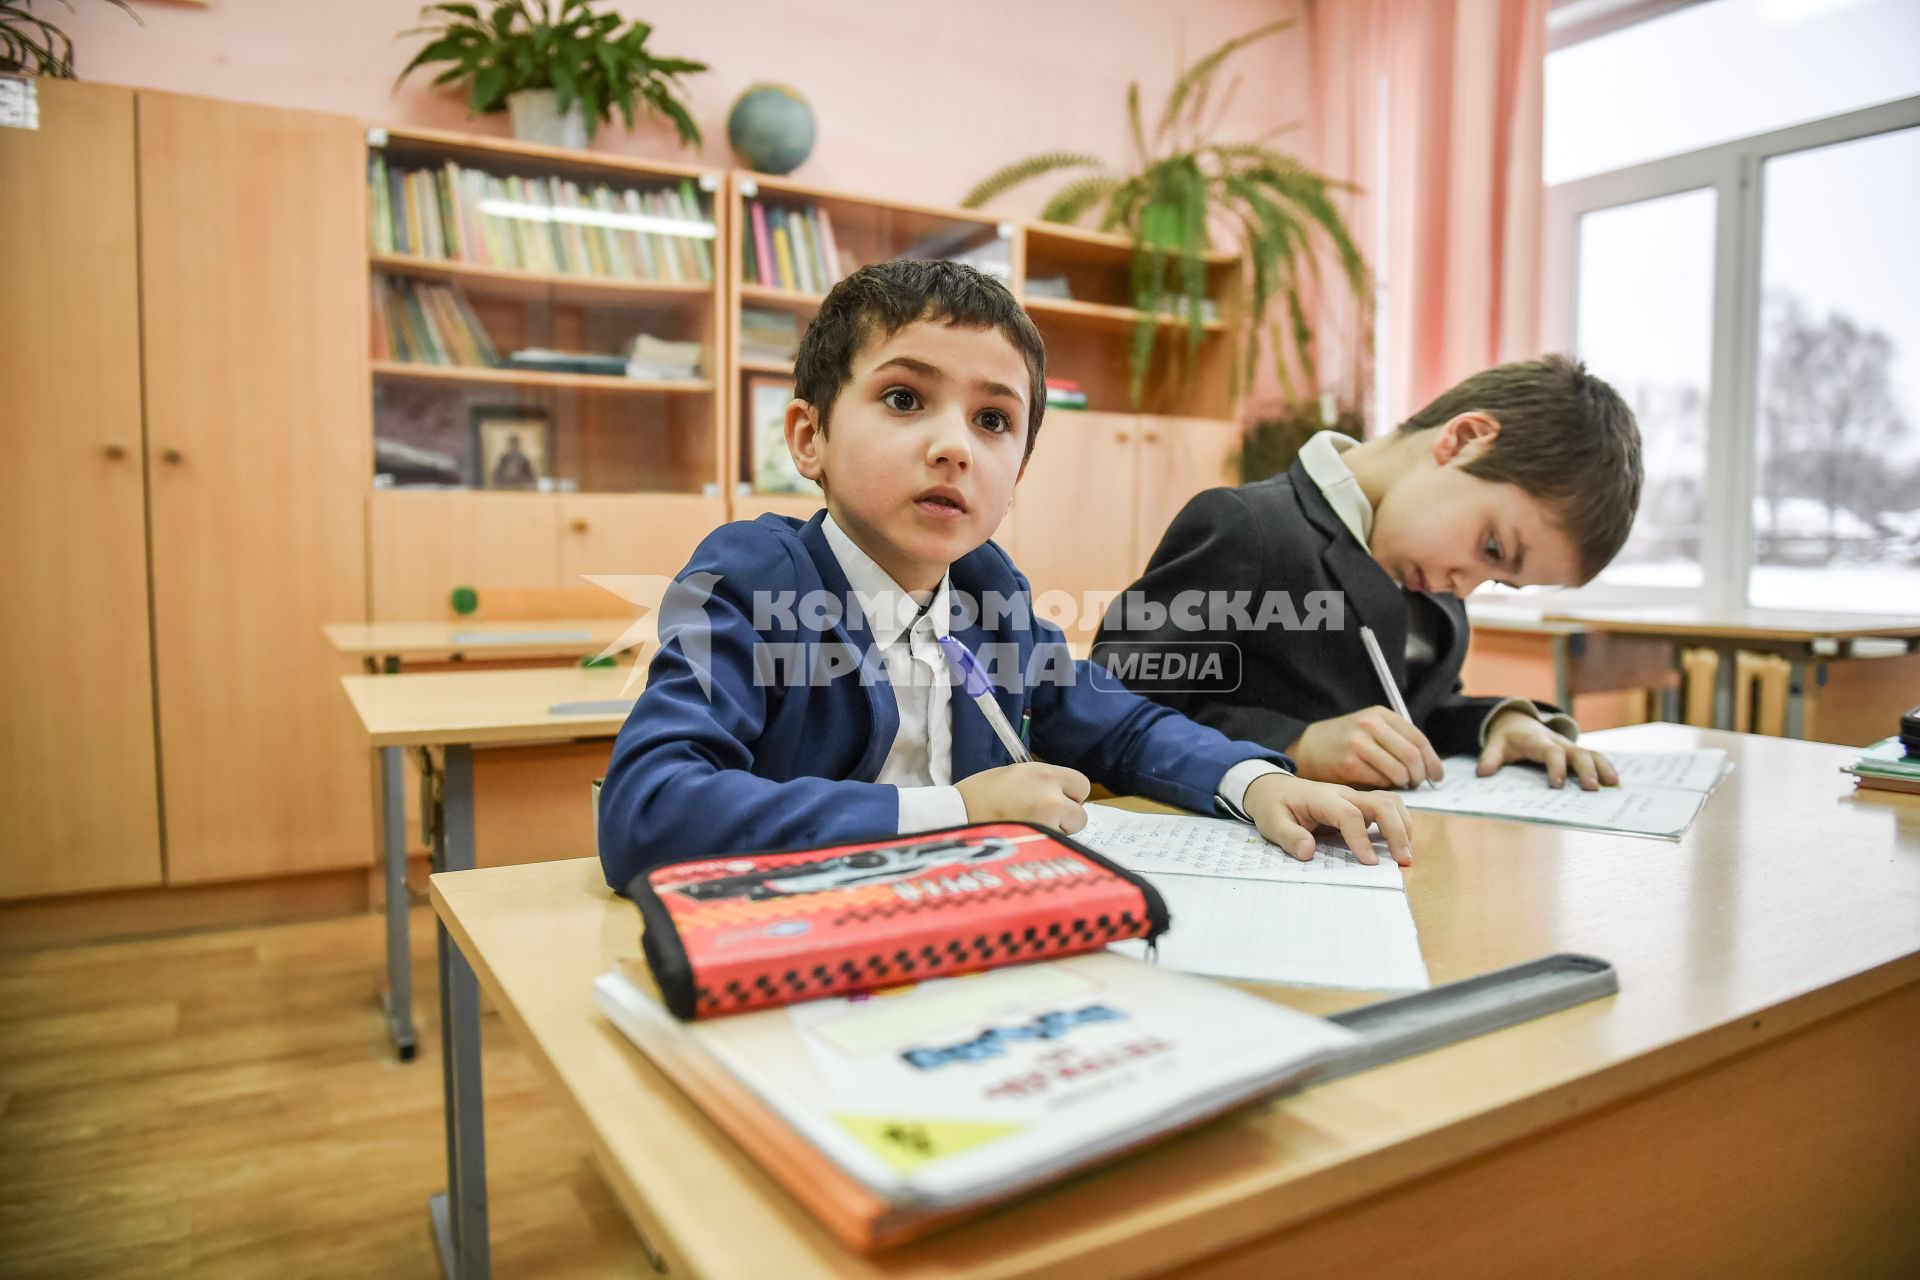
x=546, y=340
x=1077, y=285
x=484, y=254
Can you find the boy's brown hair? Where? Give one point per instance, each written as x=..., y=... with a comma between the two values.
x=1566, y=438
x=886, y=297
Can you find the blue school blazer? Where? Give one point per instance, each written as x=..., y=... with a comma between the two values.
x=726, y=752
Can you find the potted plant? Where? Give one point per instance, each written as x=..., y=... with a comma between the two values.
x=35, y=45
x=1185, y=186
x=560, y=69
x=1272, y=443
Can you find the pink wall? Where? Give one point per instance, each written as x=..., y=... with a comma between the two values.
x=914, y=100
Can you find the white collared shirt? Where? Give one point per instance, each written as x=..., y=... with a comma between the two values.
x=906, y=634
x=1320, y=457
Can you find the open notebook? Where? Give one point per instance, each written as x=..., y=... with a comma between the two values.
x=1242, y=908
x=889, y=1113
x=1660, y=793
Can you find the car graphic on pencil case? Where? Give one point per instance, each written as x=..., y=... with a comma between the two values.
x=847, y=870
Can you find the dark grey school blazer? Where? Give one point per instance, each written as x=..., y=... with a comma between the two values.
x=1281, y=535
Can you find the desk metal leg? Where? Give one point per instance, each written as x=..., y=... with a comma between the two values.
x=1560, y=646
x=399, y=997
x=1796, y=696
x=460, y=1213
x=1725, y=687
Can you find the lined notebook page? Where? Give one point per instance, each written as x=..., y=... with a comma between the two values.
x=1242, y=908
x=1309, y=935
x=1660, y=793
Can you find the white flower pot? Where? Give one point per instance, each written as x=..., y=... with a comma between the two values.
x=535, y=119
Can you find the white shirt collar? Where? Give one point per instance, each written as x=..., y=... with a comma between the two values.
x=888, y=608
x=1321, y=458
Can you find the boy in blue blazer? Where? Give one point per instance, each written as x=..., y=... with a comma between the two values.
x=800, y=695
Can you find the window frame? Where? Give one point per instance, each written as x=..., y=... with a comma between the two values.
x=1733, y=170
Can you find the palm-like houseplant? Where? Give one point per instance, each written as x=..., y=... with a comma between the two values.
x=582, y=56
x=1185, y=186
x=33, y=44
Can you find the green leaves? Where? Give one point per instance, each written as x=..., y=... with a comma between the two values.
x=582, y=55
x=36, y=45
x=1284, y=214
x=1032, y=167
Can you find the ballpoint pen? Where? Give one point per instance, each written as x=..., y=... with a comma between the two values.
x=1398, y=703
x=966, y=668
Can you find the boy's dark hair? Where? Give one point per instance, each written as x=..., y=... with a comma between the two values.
x=1566, y=438
x=882, y=299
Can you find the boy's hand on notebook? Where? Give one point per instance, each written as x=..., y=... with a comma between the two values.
x=1372, y=747
x=1517, y=736
x=1287, y=809
x=1044, y=793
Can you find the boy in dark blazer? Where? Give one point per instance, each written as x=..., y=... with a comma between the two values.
x=1525, y=474
x=801, y=694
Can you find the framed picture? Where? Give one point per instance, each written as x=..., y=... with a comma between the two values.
x=773, y=471
x=510, y=448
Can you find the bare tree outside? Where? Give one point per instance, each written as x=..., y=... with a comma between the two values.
x=1831, y=483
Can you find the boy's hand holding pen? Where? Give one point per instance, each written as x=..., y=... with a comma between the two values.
x=1022, y=791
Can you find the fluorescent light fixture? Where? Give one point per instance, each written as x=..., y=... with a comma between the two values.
x=596, y=218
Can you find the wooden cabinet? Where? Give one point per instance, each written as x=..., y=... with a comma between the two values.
x=1099, y=493
x=1177, y=458
x=254, y=315
x=79, y=806
x=425, y=544
x=1075, y=516
x=602, y=533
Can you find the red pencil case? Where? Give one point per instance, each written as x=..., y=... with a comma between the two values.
x=725, y=935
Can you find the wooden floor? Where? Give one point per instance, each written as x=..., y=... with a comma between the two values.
x=227, y=1104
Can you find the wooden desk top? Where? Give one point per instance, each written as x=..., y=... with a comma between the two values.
x=477, y=707
x=1789, y=625
x=1483, y=617
x=440, y=641
x=1791, y=899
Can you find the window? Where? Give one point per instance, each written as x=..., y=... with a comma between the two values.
x=1756, y=300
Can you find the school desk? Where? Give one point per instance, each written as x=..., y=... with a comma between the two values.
x=1744, y=1104
x=1809, y=640
x=392, y=646
x=455, y=712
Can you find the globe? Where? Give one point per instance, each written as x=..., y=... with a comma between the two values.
x=771, y=128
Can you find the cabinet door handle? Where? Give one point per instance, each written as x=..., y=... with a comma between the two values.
x=115, y=450
x=1152, y=437
x=172, y=456
x=1121, y=437
x=579, y=526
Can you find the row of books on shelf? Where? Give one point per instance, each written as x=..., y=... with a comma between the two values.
x=769, y=336
x=422, y=322
x=549, y=225
x=790, y=247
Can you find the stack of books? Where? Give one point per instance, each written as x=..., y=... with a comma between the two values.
x=1065, y=393
x=659, y=360
x=1886, y=766
x=550, y=225
x=889, y=1115
x=547, y=360
x=770, y=336
x=790, y=247
x=423, y=323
